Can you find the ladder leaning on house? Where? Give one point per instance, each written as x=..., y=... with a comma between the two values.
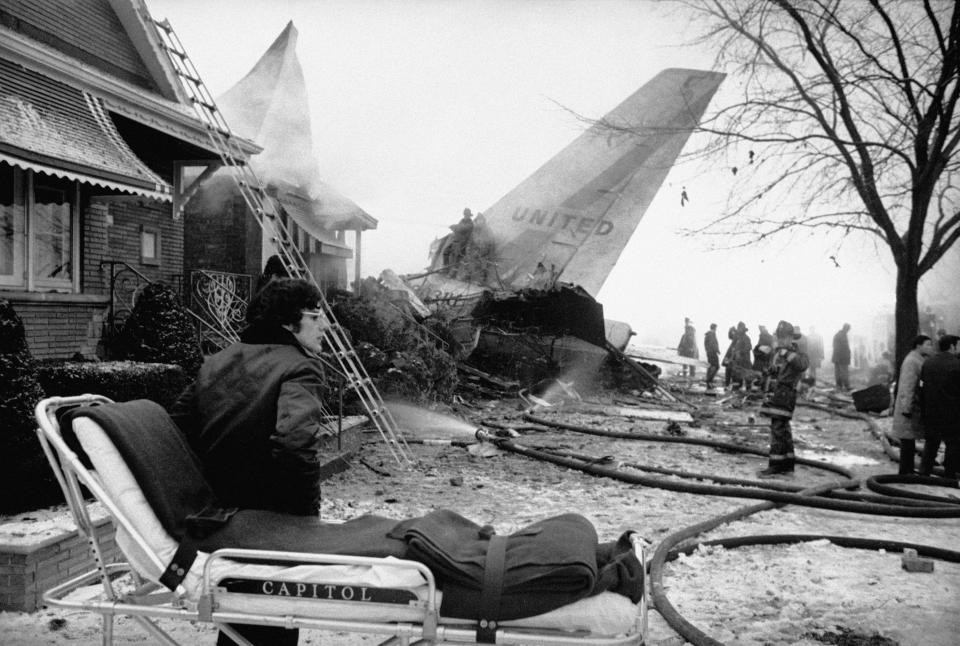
x=265, y=212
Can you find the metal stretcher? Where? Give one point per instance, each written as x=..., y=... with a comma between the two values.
x=391, y=597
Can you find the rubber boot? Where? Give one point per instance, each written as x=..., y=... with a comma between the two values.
x=908, y=451
x=778, y=468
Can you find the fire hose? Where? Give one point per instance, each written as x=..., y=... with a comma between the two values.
x=894, y=502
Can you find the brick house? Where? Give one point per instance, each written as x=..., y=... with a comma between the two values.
x=96, y=133
x=269, y=105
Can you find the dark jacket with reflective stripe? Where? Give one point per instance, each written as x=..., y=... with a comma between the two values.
x=254, y=417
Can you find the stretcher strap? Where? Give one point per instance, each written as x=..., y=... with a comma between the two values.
x=200, y=524
x=489, y=611
x=181, y=563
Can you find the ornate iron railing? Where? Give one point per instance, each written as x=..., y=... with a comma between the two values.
x=125, y=285
x=218, y=300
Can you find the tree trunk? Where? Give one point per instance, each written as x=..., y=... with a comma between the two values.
x=907, y=313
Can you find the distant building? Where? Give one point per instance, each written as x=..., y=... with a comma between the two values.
x=269, y=105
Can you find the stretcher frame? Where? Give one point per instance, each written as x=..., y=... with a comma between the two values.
x=149, y=601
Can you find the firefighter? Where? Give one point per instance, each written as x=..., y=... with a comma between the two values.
x=785, y=371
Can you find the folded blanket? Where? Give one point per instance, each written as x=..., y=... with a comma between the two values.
x=546, y=565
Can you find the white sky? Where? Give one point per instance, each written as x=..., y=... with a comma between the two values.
x=422, y=107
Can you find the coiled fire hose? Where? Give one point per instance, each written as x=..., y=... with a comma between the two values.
x=775, y=494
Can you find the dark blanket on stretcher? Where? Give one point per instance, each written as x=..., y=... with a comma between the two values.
x=173, y=483
x=547, y=565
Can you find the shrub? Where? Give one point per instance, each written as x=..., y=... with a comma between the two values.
x=159, y=330
x=23, y=468
x=399, y=354
x=118, y=380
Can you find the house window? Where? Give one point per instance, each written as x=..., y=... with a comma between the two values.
x=149, y=245
x=39, y=240
x=13, y=266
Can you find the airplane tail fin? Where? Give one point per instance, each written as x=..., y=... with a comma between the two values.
x=573, y=217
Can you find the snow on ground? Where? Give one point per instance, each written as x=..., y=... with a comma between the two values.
x=808, y=594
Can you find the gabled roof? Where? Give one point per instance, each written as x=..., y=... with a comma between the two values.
x=270, y=106
x=166, y=109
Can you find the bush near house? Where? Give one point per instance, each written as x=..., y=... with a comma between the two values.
x=397, y=353
x=159, y=330
x=25, y=476
x=26, y=482
x=118, y=380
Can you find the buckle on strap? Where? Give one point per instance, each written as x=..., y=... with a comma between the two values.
x=490, y=594
x=181, y=563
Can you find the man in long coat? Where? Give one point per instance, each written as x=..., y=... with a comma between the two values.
x=940, y=407
x=712, y=347
x=906, y=410
x=688, y=346
x=841, y=358
x=742, y=357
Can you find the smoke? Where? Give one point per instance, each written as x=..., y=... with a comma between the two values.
x=217, y=191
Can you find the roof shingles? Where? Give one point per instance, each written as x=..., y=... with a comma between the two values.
x=54, y=122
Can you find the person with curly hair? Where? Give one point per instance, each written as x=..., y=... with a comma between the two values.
x=255, y=414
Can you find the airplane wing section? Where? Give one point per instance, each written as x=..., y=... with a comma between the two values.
x=572, y=218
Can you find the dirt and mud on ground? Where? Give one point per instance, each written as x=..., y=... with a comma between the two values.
x=810, y=593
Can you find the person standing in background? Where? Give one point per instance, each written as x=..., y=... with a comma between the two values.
x=906, y=412
x=712, y=348
x=940, y=407
x=763, y=354
x=688, y=346
x=841, y=358
x=814, y=352
x=728, y=357
x=742, y=357
x=785, y=371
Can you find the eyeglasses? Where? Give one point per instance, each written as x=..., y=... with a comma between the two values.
x=317, y=314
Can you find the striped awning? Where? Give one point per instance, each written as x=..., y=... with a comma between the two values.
x=53, y=128
x=83, y=177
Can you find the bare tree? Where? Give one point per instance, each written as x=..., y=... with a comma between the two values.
x=847, y=111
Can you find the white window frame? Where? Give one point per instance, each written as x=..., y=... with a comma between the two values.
x=19, y=277
x=155, y=259
x=53, y=284
x=24, y=190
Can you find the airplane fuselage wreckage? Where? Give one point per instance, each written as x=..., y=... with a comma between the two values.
x=536, y=259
